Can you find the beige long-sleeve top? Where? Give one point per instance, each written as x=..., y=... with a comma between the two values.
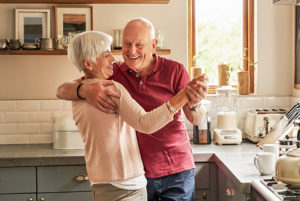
x=111, y=148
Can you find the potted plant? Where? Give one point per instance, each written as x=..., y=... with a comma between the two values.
x=197, y=70
x=244, y=77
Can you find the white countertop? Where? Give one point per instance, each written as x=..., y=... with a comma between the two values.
x=236, y=161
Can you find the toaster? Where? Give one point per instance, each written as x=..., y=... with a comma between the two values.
x=260, y=122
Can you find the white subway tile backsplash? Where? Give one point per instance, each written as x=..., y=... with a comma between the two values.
x=7, y=106
x=8, y=128
x=16, y=139
x=277, y=102
x=16, y=116
x=2, y=119
x=40, y=116
x=2, y=139
x=28, y=128
x=250, y=102
x=47, y=127
x=52, y=105
x=41, y=139
x=32, y=121
x=28, y=105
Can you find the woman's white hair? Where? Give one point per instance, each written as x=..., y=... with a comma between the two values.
x=87, y=46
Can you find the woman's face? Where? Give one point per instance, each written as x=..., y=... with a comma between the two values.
x=103, y=68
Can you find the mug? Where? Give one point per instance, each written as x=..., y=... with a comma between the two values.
x=274, y=148
x=265, y=162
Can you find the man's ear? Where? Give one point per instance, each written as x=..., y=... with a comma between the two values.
x=154, y=43
x=87, y=64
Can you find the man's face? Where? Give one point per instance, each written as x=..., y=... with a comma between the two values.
x=138, y=47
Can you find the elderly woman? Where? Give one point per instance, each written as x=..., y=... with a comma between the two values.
x=112, y=155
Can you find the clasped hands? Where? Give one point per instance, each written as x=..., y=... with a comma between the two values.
x=196, y=90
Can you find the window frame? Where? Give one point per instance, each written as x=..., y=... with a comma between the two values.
x=248, y=40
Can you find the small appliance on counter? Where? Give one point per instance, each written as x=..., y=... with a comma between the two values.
x=202, y=133
x=226, y=131
x=66, y=134
x=259, y=122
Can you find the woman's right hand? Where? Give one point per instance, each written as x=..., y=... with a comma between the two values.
x=99, y=95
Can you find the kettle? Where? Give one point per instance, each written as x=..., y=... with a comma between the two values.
x=287, y=167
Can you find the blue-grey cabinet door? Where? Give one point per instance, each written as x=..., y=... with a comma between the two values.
x=73, y=196
x=17, y=180
x=18, y=197
x=53, y=179
x=202, y=176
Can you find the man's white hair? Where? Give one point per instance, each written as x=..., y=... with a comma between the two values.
x=88, y=45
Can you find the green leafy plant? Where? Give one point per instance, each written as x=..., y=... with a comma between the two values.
x=250, y=63
x=229, y=72
x=198, y=57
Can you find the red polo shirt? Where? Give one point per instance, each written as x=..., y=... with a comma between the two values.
x=166, y=151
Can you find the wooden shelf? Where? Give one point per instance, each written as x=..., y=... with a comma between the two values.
x=64, y=52
x=88, y=1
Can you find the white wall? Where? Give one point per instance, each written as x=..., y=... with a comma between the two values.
x=274, y=35
x=36, y=77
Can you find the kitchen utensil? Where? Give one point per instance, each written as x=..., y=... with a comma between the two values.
x=282, y=126
x=3, y=44
x=45, y=43
x=287, y=167
x=14, y=44
x=259, y=122
x=265, y=162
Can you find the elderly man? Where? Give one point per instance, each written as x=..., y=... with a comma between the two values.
x=152, y=80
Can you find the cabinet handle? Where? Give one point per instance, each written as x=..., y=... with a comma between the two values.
x=80, y=178
x=204, y=195
x=229, y=192
x=42, y=199
x=30, y=199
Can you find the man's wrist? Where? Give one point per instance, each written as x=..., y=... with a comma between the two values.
x=195, y=108
x=77, y=91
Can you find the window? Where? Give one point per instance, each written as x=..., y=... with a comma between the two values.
x=221, y=32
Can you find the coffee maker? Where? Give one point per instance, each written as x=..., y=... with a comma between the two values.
x=226, y=131
x=202, y=132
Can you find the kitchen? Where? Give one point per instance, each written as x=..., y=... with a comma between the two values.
x=28, y=104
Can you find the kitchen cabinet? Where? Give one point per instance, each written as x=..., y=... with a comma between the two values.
x=46, y=183
x=205, y=182
x=18, y=184
x=227, y=190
